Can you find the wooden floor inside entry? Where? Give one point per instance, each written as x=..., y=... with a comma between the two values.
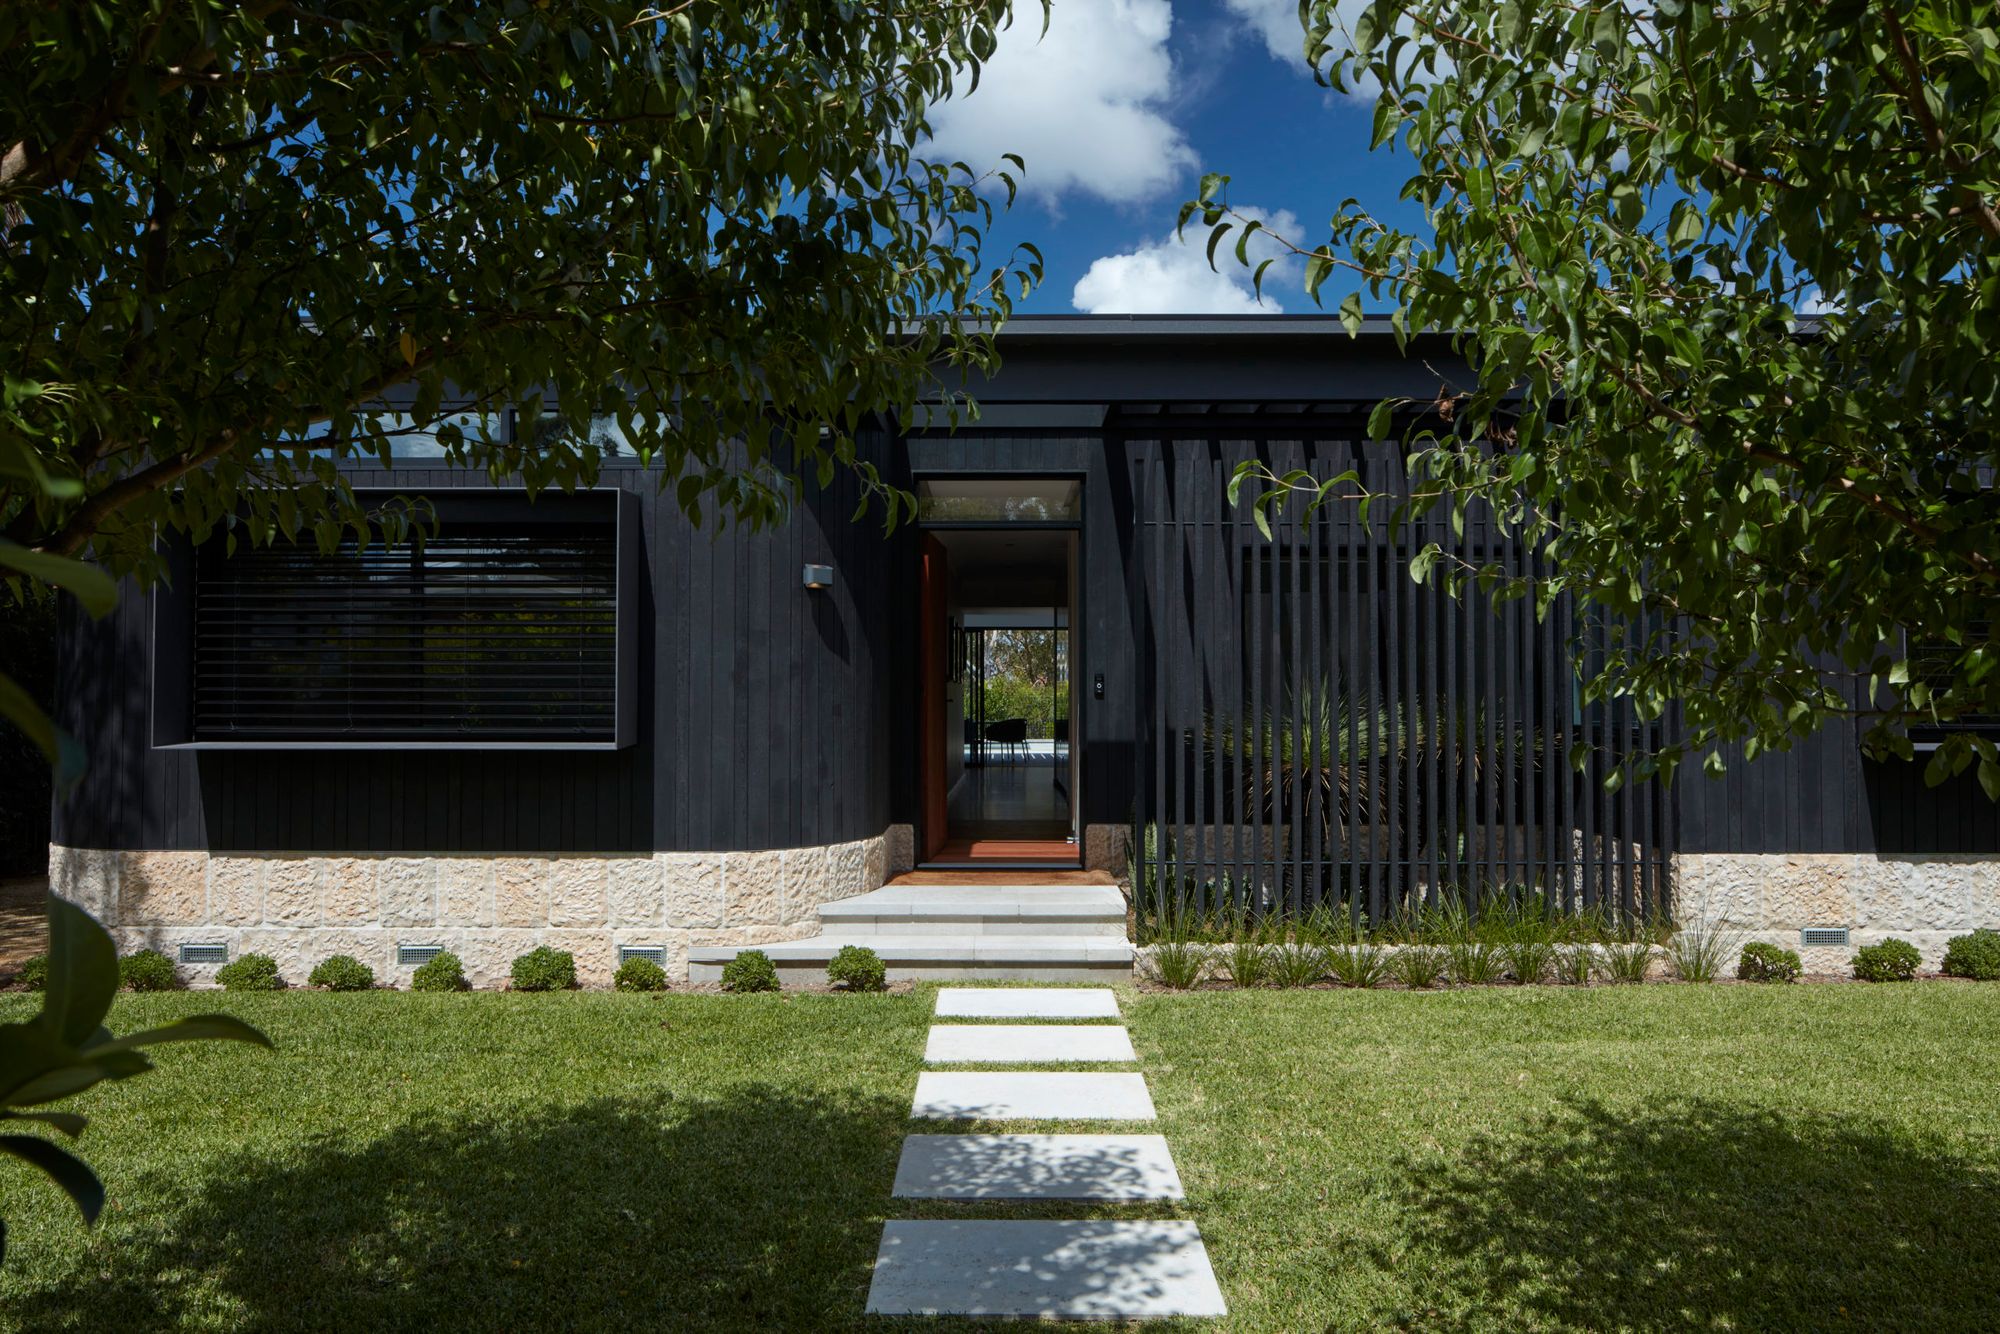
x=1000, y=876
x=1000, y=851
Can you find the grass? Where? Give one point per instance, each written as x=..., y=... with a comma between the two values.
x=1509, y=1158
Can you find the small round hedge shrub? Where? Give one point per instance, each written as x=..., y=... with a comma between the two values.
x=1976, y=956
x=751, y=970
x=343, y=972
x=147, y=970
x=251, y=972
x=1768, y=963
x=34, y=974
x=1891, y=961
x=857, y=968
x=639, y=973
x=545, y=969
x=442, y=972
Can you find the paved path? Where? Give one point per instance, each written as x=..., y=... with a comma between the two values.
x=1076, y=1269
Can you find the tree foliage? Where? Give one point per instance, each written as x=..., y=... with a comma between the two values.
x=1727, y=281
x=66, y=1049
x=225, y=227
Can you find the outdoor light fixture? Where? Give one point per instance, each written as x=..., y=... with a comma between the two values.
x=819, y=576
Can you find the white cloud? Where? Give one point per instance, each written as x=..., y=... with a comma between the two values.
x=1171, y=276
x=1085, y=105
x=1277, y=23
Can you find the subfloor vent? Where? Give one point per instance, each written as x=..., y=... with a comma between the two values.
x=650, y=953
x=217, y=953
x=409, y=954
x=1823, y=935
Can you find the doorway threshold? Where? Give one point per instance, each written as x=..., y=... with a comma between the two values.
x=1036, y=853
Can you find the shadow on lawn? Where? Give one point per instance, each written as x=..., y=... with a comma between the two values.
x=1703, y=1215
x=754, y=1211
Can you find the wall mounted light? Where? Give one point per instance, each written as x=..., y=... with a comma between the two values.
x=819, y=576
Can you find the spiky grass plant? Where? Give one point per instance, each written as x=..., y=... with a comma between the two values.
x=1248, y=961
x=1418, y=966
x=1628, y=960
x=1575, y=963
x=1472, y=963
x=1702, y=949
x=1297, y=963
x=1357, y=963
x=1179, y=963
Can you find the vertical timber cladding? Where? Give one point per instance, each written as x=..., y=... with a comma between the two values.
x=1318, y=728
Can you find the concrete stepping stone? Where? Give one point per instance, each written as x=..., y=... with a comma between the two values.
x=1037, y=1167
x=958, y=1043
x=1027, y=1003
x=1096, y=1269
x=1041, y=1095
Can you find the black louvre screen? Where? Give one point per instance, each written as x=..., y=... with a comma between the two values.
x=488, y=631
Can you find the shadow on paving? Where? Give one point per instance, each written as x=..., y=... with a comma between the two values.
x=1699, y=1214
x=758, y=1210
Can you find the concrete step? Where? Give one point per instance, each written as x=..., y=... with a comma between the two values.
x=939, y=957
x=1037, y=1167
x=1100, y=1269
x=1006, y=910
x=1026, y=1044
x=1031, y=1095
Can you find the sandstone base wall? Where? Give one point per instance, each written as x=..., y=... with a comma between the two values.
x=301, y=907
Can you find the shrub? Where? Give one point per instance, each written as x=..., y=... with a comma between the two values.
x=1357, y=964
x=857, y=968
x=442, y=972
x=545, y=969
x=1627, y=961
x=1179, y=964
x=343, y=972
x=750, y=970
x=1248, y=964
x=1891, y=961
x=1298, y=964
x=34, y=974
x=1761, y=962
x=1417, y=966
x=147, y=970
x=250, y=972
x=639, y=973
x=1976, y=956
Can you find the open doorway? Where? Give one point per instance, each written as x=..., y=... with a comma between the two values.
x=1001, y=770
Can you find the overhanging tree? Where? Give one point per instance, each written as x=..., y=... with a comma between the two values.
x=224, y=226
x=1728, y=281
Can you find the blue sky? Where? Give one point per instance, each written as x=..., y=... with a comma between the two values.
x=1119, y=110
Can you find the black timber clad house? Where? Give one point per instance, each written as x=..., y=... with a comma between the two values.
x=583, y=721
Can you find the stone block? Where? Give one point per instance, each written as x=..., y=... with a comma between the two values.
x=236, y=890
x=847, y=870
x=693, y=884
x=636, y=892
x=408, y=890
x=1808, y=890
x=291, y=891
x=596, y=955
x=1105, y=848
x=874, y=864
x=753, y=888
x=577, y=890
x=347, y=892
x=808, y=883
x=162, y=888
x=716, y=937
x=489, y=955
x=900, y=841
x=87, y=877
x=521, y=891
x=465, y=891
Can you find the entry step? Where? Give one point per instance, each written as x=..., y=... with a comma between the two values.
x=1003, y=910
x=944, y=957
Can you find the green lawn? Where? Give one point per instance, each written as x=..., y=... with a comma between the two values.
x=1665, y=1157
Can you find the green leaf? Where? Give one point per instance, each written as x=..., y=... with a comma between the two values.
x=1380, y=418
x=62, y=1167
x=83, y=974
x=89, y=585
x=194, y=1028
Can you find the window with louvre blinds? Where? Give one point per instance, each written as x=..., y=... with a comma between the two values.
x=502, y=628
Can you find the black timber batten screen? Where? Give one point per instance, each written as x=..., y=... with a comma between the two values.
x=1317, y=728
x=500, y=627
